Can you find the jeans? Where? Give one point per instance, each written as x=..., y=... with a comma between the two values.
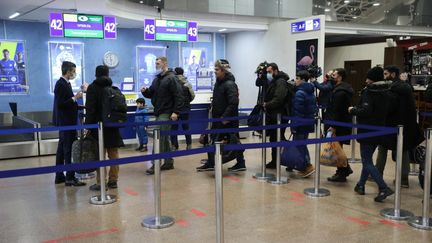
x=185, y=127
x=302, y=148
x=368, y=168
x=165, y=144
x=382, y=159
x=142, y=135
x=114, y=170
x=64, y=152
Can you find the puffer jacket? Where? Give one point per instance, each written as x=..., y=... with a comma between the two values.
x=225, y=100
x=276, y=97
x=304, y=106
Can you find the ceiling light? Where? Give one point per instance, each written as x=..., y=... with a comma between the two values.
x=222, y=30
x=346, y=1
x=14, y=15
x=141, y=2
x=327, y=10
x=376, y=4
x=354, y=17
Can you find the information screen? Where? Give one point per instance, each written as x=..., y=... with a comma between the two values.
x=171, y=30
x=83, y=25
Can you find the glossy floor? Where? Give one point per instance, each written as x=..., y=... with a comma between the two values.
x=33, y=209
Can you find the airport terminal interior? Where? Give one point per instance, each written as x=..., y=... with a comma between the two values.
x=201, y=39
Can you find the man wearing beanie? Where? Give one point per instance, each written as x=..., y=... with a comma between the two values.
x=112, y=137
x=372, y=110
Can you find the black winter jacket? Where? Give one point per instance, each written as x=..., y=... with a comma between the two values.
x=278, y=97
x=337, y=108
x=225, y=100
x=166, y=94
x=373, y=109
x=94, y=100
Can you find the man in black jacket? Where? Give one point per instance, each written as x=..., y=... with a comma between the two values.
x=337, y=110
x=277, y=100
x=112, y=138
x=225, y=103
x=167, y=99
x=65, y=113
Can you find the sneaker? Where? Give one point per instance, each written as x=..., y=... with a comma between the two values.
x=337, y=178
x=112, y=184
x=205, y=167
x=96, y=187
x=237, y=167
x=189, y=146
x=360, y=189
x=144, y=149
x=271, y=165
x=203, y=161
x=75, y=182
x=308, y=171
x=383, y=195
x=166, y=166
x=150, y=171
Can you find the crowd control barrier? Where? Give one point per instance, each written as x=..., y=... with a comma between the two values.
x=424, y=222
x=278, y=180
x=397, y=213
x=263, y=175
x=353, y=158
x=219, y=194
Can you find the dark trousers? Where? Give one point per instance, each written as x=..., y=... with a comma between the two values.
x=368, y=168
x=185, y=127
x=64, y=152
x=343, y=171
x=273, y=138
x=219, y=137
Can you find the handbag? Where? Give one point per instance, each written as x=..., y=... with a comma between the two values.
x=332, y=154
x=85, y=149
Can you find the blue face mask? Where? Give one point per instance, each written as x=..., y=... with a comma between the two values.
x=269, y=77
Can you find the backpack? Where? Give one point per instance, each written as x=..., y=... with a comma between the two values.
x=289, y=97
x=114, y=107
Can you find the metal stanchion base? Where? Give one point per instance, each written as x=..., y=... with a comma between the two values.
x=263, y=177
x=274, y=181
x=150, y=222
x=421, y=223
x=354, y=160
x=414, y=173
x=87, y=176
x=322, y=192
x=391, y=213
x=97, y=200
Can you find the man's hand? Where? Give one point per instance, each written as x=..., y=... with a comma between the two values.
x=78, y=95
x=350, y=109
x=224, y=122
x=174, y=117
x=332, y=129
x=143, y=89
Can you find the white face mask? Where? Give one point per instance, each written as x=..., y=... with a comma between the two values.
x=73, y=76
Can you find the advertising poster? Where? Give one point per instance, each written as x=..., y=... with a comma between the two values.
x=198, y=70
x=66, y=51
x=307, y=53
x=12, y=68
x=146, y=63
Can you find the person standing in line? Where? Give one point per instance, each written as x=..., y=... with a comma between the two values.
x=167, y=99
x=65, y=113
x=141, y=130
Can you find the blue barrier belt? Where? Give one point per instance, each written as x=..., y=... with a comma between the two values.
x=306, y=141
x=297, y=119
x=231, y=130
x=425, y=114
x=97, y=164
x=47, y=129
x=367, y=127
x=245, y=109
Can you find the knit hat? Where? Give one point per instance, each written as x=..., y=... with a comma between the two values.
x=375, y=74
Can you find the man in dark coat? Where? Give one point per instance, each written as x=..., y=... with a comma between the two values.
x=372, y=110
x=277, y=100
x=167, y=99
x=402, y=112
x=337, y=110
x=225, y=103
x=65, y=113
x=112, y=138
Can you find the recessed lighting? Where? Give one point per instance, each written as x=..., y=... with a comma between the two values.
x=222, y=30
x=141, y=2
x=14, y=15
x=376, y=4
x=346, y=1
x=354, y=17
x=327, y=10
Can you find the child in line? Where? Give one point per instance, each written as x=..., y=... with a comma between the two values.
x=141, y=130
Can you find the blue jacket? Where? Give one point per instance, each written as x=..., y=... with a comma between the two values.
x=304, y=106
x=139, y=115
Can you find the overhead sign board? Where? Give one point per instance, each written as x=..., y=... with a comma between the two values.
x=307, y=25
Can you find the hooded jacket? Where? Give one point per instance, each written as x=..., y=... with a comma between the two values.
x=225, y=100
x=278, y=97
x=373, y=109
x=187, y=91
x=94, y=100
x=165, y=94
x=304, y=106
x=337, y=107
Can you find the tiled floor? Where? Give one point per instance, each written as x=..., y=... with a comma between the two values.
x=33, y=209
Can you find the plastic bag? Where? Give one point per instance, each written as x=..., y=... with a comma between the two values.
x=332, y=154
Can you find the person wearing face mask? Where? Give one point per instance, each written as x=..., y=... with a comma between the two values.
x=167, y=98
x=65, y=113
x=277, y=100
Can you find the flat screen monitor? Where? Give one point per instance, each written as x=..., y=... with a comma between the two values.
x=171, y=30
x=83, y=26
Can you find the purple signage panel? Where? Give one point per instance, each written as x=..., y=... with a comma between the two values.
x=192, y=31
x=110, y=28
x=56, y=25
x=149, y=29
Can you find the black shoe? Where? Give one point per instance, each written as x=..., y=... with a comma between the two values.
x=383, y=195
x=96, y=187
x=271, y=165
x=59, y=180
x=238, y=167
x=205, y=167
x=150, y=171
x=75, y=182
x=289, y=169
x=337, y=178
x=166, y=166
x=112, y=184
x=359, y=189
x=139, y=148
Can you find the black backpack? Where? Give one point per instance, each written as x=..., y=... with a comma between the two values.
x=114, y=107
